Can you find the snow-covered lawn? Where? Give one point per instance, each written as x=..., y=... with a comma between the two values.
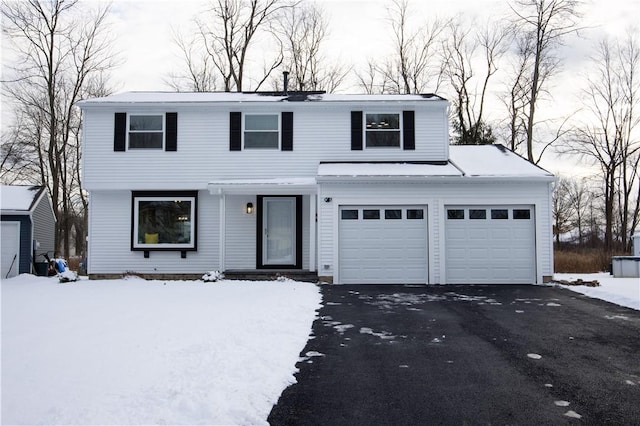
x=150, y=352
x=621, y=291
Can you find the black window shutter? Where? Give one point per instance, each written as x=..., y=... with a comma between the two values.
x=356, y=130
x=120, y=131
x=408, y=130
x=287, y=131
x=172, y=131
x=235, y=131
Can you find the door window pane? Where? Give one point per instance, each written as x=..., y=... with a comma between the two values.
x=499, y=214
x=371, y=214
x=521, y=214
x=455, y=214
x=349, y=214
x=415, y=214
x=393, y=214
x=477, y=214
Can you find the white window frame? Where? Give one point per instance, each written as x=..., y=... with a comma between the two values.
x=163, y=131
x=191, y=245
x=365, y=130
x=278, y=130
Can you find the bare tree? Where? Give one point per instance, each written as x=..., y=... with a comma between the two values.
x=464, y=48
x=580, y=196
x=59, y=48
x=542, y=26
x=199, y=73
x=609, y=135
x=561, y=209
x=303, y=30
x=516, y=94
x=226, y=32
x=413, y=65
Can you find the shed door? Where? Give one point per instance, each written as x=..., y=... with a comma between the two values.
x=490, y=244
x=10, y=249
x=383, y=244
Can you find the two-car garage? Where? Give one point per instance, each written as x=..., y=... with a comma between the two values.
x=388, y=244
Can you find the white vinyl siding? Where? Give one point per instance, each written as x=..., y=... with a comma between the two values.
x=110, y=242
x=321, y=133
x=240, y=233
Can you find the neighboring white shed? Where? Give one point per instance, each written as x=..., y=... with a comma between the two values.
x=28, y=228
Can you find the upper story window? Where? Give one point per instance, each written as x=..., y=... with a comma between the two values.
x=261, y=131
x=146, y=131
x=382, y=130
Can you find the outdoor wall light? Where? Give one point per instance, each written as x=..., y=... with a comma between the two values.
x=327, y=200
x=249, y=208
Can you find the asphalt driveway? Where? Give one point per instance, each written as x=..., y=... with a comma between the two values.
x=393, y=355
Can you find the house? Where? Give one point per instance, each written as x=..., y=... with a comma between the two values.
x=28, y=228
x=353, y=188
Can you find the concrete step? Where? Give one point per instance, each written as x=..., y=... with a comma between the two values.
x=271, y=275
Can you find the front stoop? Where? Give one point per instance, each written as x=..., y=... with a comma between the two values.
x=271, y=275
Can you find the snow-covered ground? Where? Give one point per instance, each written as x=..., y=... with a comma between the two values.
x=621, y=291
x=166, y=352
x=150, y=352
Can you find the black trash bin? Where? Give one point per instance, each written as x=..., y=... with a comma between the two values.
x=42, y=269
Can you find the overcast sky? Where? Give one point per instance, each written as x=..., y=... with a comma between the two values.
x=358, y=30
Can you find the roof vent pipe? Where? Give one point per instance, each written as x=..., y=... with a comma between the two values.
x=285, y=76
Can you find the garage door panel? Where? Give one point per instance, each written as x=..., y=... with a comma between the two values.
x=476, y=234
x=490, y=250
x=385, y=250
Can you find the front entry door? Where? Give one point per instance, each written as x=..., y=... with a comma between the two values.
x=279, y=226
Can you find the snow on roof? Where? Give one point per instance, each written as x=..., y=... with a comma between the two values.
x=465, y=161
x=19, y=197
x=386, y=169
x=493, y=160
x=205, y=97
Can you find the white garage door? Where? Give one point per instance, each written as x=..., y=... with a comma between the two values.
x=383, y=244
x=10, y=249
x=490, y=244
